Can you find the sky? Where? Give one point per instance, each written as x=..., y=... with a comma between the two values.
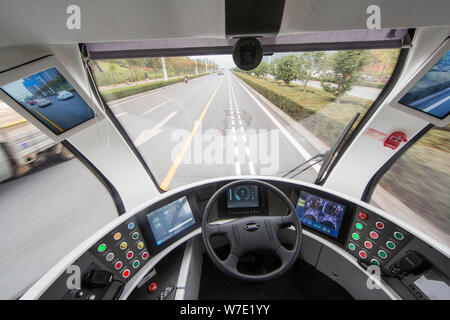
x=225, y=60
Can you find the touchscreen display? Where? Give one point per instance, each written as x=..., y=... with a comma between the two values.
x=243, y=196
x=431, y=94
x=168, y=221
x=319, y=213
x=50, y=98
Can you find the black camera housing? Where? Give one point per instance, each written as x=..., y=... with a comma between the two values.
x=247, y=53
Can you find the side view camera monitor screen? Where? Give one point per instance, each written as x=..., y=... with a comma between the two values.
x=431, y=94
x=50, y=98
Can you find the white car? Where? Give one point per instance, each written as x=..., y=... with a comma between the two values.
x=64, y=95
x=42, y=102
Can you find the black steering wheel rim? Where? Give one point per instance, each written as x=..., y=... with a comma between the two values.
x=263, y=237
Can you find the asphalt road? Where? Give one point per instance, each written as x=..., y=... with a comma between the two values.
x=437, y=104
x=44, y=216
x=176, y=128
x=60, y=116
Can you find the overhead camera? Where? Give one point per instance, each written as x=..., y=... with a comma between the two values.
x=247, y=53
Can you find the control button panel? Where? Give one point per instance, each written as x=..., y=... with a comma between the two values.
x=123, y=250
x=374, y=239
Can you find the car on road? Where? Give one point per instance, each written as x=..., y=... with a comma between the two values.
x=220, y=73
x=30, y=101
x=42, y=102
x=64, y=95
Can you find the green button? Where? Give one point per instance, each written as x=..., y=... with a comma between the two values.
x=390, y=245
x=135, y=264
x=374, y=262
x=351, y=246
x=359, y=226
x=355, y=236
x=382, y=254
x=101, y=247
x=398, y=235
x=135, y=235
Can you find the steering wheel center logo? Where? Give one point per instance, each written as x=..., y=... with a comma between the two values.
x=251, y=227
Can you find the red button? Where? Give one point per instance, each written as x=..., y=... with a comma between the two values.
x=126, y=273
x=380, y=225
x=363, y=254
x=362, y=215
x=118, y=265
x=145, y=255
x=152, y=287
x=373, y=235
x=130, y=254
x=368, y=244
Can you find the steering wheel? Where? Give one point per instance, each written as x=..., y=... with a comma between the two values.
x=250, y=234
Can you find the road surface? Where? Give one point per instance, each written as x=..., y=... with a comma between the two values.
x=60, y=116
x=165, y=127
x=44, y=216
x=436, y=104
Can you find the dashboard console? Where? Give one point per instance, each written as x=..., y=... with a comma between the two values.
x=362, y=234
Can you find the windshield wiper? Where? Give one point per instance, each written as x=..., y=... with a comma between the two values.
x=326, y=157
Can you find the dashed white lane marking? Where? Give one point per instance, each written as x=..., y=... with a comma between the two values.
x=241, y=128
x=305, y=154
x=252, y=168
x=156, y=107
x=237, y=168
x=121, y=114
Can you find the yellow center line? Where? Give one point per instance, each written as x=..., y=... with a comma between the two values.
x=179, y=158
x=52, y=123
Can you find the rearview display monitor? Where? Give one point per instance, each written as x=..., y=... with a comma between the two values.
x=50, y=98
x=170, y=220
x=319, y=213
x=431, y=94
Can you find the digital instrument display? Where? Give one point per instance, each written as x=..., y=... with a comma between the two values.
x=320, y=214
x=168, y=221
x=431, y=94
x=50, y=98
x=243, y=196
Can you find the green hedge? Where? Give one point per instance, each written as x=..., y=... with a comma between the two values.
x=292, y=108
x=327, y=122
x=122, y=92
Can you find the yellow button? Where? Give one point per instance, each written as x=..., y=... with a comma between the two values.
x=123, y=245
x=117, y=236
x=140, y=245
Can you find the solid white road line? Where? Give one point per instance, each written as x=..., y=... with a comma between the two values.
x=237, y=168
x=147, y=134
x=436, y=104
x=156, y=107
x=252, y=168
x=305, y=154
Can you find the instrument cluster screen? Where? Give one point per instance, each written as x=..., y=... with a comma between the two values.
x=319, y=213
x=243, y=196
x=168, y=221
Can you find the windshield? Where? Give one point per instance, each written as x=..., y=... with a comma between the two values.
x=199, y=117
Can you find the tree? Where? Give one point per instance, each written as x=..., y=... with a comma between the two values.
x=345, y=66
x=262, y=69
x=286, y=68
x=309, y=62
